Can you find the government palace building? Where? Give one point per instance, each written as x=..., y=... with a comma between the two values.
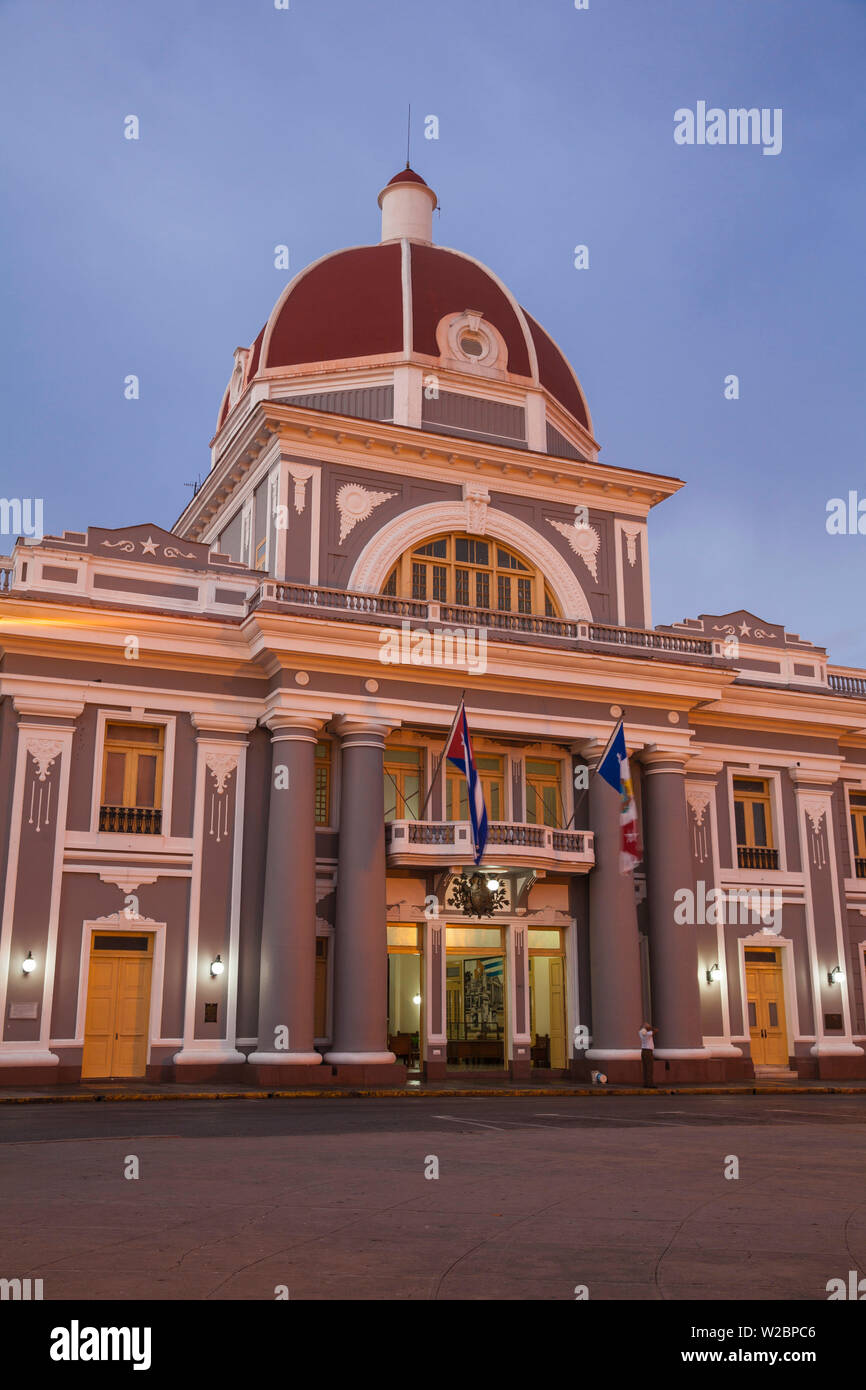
x=230, y=849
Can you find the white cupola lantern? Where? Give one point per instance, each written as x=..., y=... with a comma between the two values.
x=407, y=205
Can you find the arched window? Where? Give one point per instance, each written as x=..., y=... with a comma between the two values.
x=472, y=572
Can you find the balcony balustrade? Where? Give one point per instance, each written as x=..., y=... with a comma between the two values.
x=334, y=603
x=757, y=857
x=130, y=820
x=510, y=844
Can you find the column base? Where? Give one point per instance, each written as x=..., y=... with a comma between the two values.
x=14, y=1055
x=360, y=1074
x=33, y=1066
x=668, y=1070
x=621, y=1066
x=360, y=1059
x=285, y=1059
x=833, y=1047
x=192, y=1056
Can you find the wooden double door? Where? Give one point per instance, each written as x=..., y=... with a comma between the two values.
x=766, y=1002
x=118, y=1005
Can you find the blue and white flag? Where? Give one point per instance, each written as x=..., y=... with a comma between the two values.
x=458, y=751
x=616, y=772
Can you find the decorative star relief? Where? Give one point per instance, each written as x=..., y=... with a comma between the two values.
x=584, y=541
x=355, y=503
x=761, y=634
x=149, y=547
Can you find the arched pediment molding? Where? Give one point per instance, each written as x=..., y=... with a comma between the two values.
x=383, y=550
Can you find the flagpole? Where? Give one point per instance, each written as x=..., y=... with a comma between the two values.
x=442, y=754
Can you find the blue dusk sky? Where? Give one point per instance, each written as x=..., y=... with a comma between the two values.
x=262, y=126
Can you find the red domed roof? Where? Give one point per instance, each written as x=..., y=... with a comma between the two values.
x=348, y=305
x=408, y=175
x=388, y=300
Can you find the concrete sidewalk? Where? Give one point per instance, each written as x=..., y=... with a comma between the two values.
x=456, y=1086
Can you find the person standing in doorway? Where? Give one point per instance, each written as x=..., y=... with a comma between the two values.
x=647, y=1033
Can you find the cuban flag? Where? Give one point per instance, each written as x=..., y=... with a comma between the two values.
x=615, y=770
x=458, y=751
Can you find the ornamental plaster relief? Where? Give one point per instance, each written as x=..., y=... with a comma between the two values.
x=356, y=503
x=631, y=534
x=221, y=764
x=584, y=540
x=698, y=800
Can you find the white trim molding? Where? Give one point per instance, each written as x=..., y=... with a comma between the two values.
x=382, y=552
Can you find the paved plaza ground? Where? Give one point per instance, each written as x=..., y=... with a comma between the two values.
x=535, y=1196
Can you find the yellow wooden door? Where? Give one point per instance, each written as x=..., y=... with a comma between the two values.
x=557, y=1012
x=99, y=1020
x=118, y=1007
x=766, y=1000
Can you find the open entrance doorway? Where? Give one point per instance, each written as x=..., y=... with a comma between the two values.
x=475, y=997
x=547, y=1003
x=405, y=999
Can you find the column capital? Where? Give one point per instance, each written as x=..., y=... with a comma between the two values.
x=653, y=757
x=46, y=709
x=286, y=708
x=806, y=780
x=207, y=722
x=282, y=725
x=699, y=765
x=590, y=749
x=362, y=731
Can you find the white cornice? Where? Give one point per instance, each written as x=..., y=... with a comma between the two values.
x=377, y=441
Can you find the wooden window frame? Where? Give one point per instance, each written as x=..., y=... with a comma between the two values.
x=402, y=581
x=397, y=770
x=130, y=773
x=749, y=800
x=453, y=778
x=549, y=781
x=857, y=824
x=326, y=765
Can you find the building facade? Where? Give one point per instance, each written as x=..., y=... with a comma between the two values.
x=226, y=850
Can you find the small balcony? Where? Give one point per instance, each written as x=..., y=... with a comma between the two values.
x=130, y=820
x=510, y=844
x=757, y=857
x=860, y=867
